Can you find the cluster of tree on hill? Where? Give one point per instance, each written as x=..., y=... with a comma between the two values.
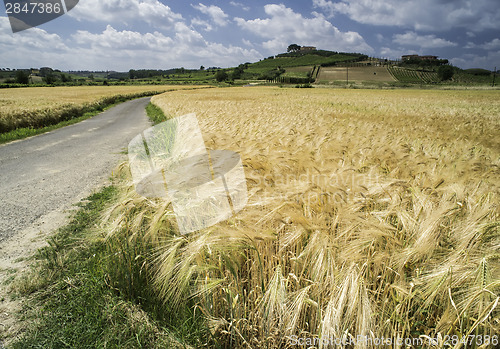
x=272, y=74
x=150, y=73
x=237, y=73
x=322, y=53
x=424, y=62
x=239, y=70
x=21, y=77
x=49, y=76
x=445, y=72
x=293, y=48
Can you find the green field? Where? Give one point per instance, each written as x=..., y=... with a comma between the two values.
x=298, y=72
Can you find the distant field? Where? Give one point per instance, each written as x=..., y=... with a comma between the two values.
x=355, y=74
x=371, y=213
x=26, y=99
x=297, y=72
x=42, y=106
x=302, y=69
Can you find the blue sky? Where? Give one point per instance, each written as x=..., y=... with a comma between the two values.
x=153, y=34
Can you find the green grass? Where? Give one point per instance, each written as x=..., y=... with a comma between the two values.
x=296, y=73
x=88, y=291
x=155, y=114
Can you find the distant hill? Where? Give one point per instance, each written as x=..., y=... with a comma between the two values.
x=478, y=72
x=316, y=57
x=299, y=67
x=286, y=64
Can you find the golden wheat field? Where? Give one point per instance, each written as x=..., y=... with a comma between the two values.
x=372, y=214
x=29, y=107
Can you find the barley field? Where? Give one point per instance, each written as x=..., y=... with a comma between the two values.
x=42, y=106
x=371, y=213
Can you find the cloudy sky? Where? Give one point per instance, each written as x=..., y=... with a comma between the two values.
x=160, y=34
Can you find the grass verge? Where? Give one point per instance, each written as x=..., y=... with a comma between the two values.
x=86, y=290
x=75, y=299
x=155, y=114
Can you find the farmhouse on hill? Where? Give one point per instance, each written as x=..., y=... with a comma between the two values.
x=308, y=48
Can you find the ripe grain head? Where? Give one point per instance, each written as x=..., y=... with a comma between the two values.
x=366, y=210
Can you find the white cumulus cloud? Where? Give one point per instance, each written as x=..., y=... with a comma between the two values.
x=394, y=53
x=24, y=46
x=423, y=41
x=474, y=15
x=201, y=23
x=113, y=49
x=34, y=38
x=489, y=61
x=113, y=39
x=239, y=4
x=186, y=48
x=152, y=12
x=214, y=12
x=326, y=5
x=284, y=26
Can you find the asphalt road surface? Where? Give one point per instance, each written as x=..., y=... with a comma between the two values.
x=48, y=173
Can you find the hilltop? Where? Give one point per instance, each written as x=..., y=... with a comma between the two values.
x=298, y=66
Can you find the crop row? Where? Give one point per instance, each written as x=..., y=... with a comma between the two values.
x=412, y=76
x=370, y=213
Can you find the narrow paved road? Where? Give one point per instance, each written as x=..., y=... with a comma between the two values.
x=43, y=176
x=48, y=173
